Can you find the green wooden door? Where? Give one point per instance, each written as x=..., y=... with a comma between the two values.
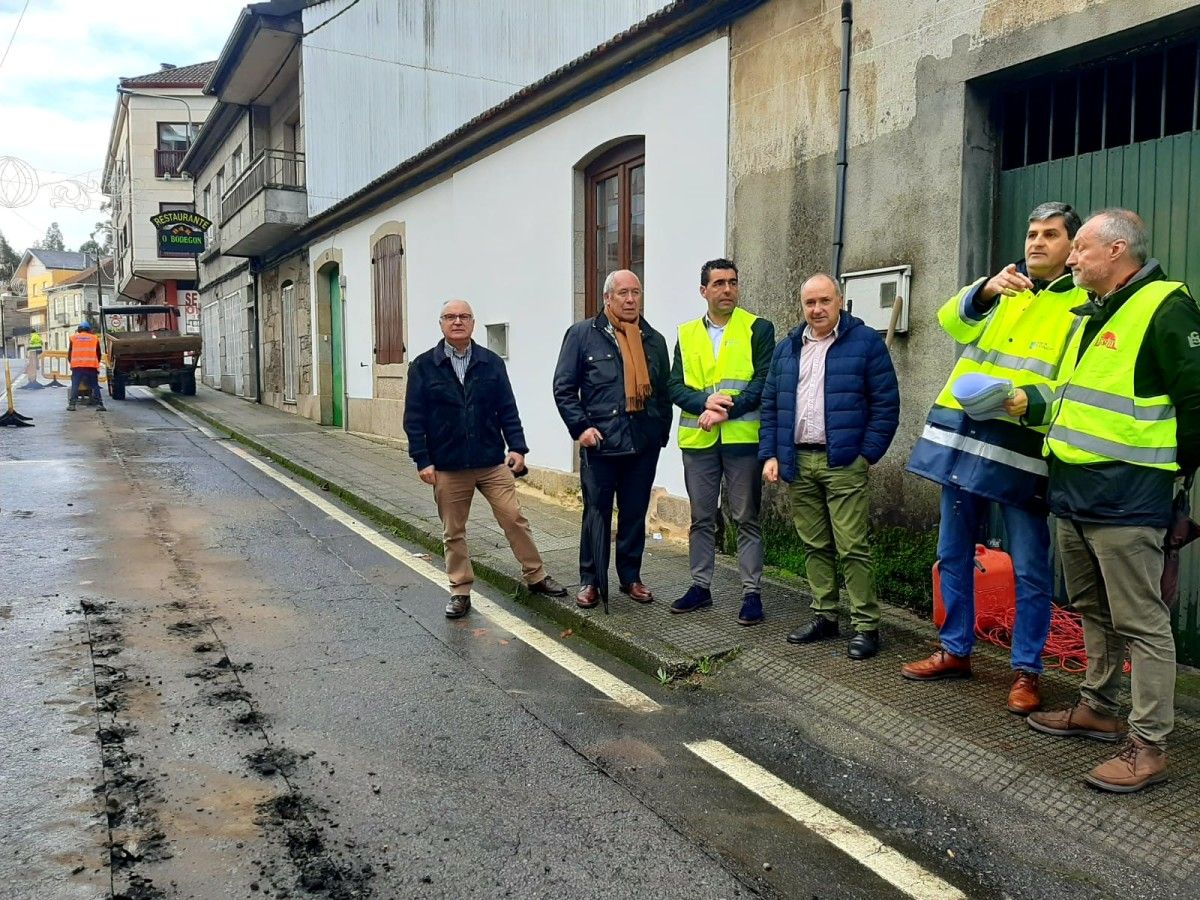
x=1160, y=180
x=336, y=354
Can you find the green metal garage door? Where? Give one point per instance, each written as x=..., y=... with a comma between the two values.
x=1160, y=179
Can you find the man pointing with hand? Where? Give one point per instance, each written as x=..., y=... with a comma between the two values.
x=1015, y=326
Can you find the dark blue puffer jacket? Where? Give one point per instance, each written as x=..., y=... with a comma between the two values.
x=862, y=398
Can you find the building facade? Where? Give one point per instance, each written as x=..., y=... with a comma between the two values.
x=37, y=273
x=75, y=300
x=154, y=123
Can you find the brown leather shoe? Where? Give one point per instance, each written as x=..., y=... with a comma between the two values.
x=549, y=587
x=1025, y=695
x=458, y=606
x=587, y=597
x=938, y=666
x=638, y=592
x=1138, y=765
x=1079, y=720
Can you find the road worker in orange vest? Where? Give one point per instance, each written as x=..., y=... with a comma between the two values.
x=85, y=365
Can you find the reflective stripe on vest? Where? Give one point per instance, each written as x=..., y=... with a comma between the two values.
x=730, y=372
x=976, y=447
x=1022, y=339
x=1097, y=415
x=83, y=351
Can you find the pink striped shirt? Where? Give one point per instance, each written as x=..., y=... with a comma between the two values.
x=810, y=391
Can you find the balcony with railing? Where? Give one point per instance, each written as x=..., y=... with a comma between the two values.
x=166, y=162
x=265, y=204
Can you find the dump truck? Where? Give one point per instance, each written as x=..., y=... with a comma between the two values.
x=143, y=345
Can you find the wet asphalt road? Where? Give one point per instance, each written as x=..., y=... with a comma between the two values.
x=210, y=689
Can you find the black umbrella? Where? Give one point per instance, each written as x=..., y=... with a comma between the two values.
x=597, y=530
x=1181, y=532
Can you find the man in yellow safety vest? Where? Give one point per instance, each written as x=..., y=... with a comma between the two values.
x=1015, y=327
x=717, y=379
x=1122, y=426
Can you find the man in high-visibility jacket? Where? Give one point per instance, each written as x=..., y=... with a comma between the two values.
x=35, y=343
x=717, y=379
x=1123, y=426
x=1015, y=326
x=84, y=360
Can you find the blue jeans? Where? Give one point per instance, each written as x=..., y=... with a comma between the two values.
x=89, y=377
x=1029, y=546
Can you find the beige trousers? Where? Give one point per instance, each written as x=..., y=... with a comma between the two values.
x=453, y=493
x=1112, y=574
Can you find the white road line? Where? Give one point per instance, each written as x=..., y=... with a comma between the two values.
x=889, y=864
x=581, y=668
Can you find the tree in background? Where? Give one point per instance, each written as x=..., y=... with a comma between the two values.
x=9, y=259
x=53, y=239
x=104, y=230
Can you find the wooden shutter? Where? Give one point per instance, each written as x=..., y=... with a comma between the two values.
x=387, y=264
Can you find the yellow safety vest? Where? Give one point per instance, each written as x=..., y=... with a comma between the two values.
x=35, y=341
x=1097, y=416
x=1022, y=339
x=729, y=372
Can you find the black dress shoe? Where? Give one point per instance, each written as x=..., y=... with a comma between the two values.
x=864, y=645
x=458, y=607
x=819, y=629
x=549, y=587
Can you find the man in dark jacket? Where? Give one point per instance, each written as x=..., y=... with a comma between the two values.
x=1123, y=426
x=459, y=414
x=611, y=389
x=829, y=411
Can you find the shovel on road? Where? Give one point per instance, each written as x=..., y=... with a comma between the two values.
x=12, y=418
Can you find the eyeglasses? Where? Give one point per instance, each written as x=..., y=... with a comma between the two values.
x=457, y=317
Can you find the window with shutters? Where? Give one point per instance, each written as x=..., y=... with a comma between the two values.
x=387, y=265
x=615, y=217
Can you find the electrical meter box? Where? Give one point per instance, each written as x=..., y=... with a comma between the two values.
x=875, y=294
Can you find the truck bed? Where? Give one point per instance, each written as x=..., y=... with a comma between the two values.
x=129, y=345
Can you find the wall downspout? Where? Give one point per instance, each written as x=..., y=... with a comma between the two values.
x=255, y=281
x=839, y=209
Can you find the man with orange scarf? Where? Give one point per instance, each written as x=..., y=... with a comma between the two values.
x=611, y=390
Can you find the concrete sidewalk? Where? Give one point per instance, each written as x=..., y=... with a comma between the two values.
x=957, y=729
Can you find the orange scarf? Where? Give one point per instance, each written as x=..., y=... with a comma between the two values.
x=633, y=355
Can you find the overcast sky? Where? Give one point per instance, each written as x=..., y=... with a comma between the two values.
x=58, y=91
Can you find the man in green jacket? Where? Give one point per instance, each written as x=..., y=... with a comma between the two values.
x=1124, y=423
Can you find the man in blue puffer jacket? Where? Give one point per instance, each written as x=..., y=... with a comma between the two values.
x=829, y=411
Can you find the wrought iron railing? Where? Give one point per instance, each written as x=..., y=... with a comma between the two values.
x=282, y=169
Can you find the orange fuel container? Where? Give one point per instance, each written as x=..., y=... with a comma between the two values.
x=995, y=589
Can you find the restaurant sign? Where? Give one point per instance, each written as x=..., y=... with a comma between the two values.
x=180, y=231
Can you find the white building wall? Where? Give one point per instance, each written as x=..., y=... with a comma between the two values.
x=418, y=69
x=499, y=233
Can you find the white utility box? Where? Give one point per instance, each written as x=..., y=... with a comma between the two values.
x=874, y=294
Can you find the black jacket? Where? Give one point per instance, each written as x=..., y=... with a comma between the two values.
x=589, y=388
x=454, y=426
x=1168, y=362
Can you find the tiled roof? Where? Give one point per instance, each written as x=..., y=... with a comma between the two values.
x=60, y=259
x=181, y=76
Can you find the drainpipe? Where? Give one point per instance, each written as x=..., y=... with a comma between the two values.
x=839, y=209
x=254, y=283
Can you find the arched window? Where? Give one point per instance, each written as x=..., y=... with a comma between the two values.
x=614, y=216
x=387, y=258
